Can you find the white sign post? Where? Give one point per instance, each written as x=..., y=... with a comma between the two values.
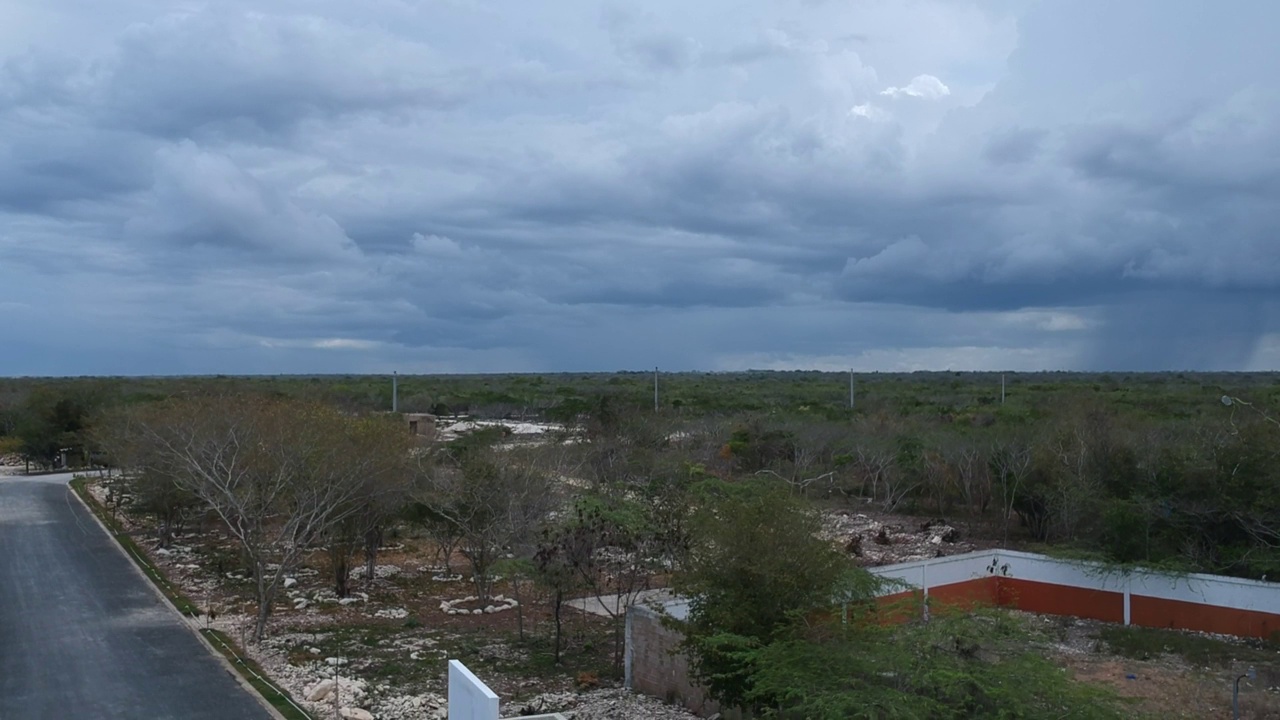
x=469, y=698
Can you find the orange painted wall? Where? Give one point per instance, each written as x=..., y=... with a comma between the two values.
x=904, y=606
x=899, y=607
x=980, y=591
x=1157, y=612
x=1105, y=605
x=1061, y=600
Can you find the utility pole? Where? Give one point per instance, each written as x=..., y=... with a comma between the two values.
x=655, y=388
x=395, y=391
x=1002, y=388
x=337, y=690
x=850, y=388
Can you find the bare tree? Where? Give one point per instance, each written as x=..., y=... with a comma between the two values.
x=279, y=475
x=972, y=475
x=555, y=563
x=382, y=493
x=134, y=476
x=494, y=498
x=939, y=478
x=1010, y=462
x=875, y=464
x=614, y=546
x=1077, y=488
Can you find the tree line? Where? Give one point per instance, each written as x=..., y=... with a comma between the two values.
x=1109, y=470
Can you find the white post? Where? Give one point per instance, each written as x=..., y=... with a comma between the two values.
x=1128, y=618
x=655, y=388
x=1001, y=389
x=850, y=388
x=395, y=392
x=924, y=583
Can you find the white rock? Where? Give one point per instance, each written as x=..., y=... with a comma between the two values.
x=322, y=690
x=334, y=661
x=353, y=713
x=290, y=582
x=314, y=650
x=348, y=601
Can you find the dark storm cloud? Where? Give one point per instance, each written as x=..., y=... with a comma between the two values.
x=1014, y=146
x=468, y=186
x=235, y=72
x=1183, y=330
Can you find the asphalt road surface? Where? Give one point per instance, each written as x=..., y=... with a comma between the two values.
x=81, y=633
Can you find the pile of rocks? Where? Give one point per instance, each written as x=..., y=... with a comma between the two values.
x=613, y=703
x=543, y=704
x=428, y=706
x=345, y=693
x=876, y=542
x=301, y=600
x=498, y=603
x=349, y=690
x=392, y=613
x=419, y=647
x=381, y=572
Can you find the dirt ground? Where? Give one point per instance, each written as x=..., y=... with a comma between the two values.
x=1167, y=674
x=386, y=645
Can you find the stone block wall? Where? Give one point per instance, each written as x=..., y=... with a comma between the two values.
x=655, y=667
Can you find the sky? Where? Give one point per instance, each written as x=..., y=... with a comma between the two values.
x=283, y=186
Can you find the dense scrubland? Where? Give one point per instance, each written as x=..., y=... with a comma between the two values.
x=713, y=491
x=1142, y=468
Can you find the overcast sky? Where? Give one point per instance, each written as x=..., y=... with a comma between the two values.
x=283, y=186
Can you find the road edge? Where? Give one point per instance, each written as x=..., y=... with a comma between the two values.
x=133, y=563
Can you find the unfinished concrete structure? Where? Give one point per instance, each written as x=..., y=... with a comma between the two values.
x=422, y=425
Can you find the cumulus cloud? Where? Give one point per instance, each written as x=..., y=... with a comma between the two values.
x=926, y=87
x=642, y=39
x=205, y=199
x=870, y=112
x=265, y=187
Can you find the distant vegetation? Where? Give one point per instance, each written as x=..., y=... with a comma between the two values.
x=1134, y=468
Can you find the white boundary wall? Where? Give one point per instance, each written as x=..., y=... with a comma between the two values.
x=935, y=572
x=1215, y=590
x=469, y=697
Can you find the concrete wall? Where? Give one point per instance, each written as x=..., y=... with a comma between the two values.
x=469, y=697
x=1209, y=603
x=1005, y=578
x=1036, y=583
x=654, y=667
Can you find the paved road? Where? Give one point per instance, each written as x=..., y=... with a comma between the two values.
x=81, y=633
